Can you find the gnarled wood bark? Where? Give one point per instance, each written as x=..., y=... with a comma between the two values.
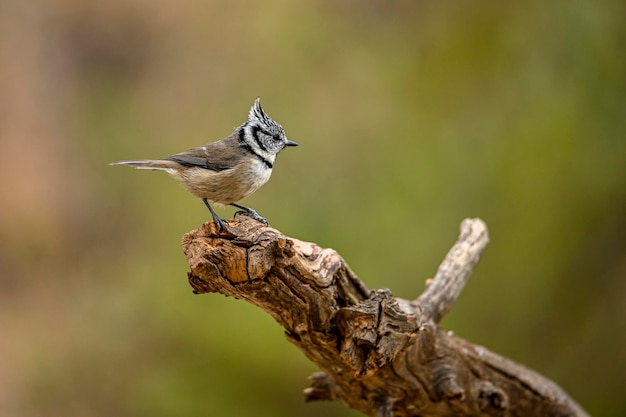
x=382, y=355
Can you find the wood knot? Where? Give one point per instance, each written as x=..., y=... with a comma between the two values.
x=491, y=399
x=447, y=386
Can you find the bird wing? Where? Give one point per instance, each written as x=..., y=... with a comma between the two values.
x=216, y=156
x=197, y=161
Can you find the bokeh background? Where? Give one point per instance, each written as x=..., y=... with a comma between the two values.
x=411, y=115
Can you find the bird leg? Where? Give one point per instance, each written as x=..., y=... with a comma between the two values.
x=247, y=211
x=219, y=222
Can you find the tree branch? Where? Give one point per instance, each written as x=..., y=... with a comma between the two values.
x=455, y=270
x=381, y=355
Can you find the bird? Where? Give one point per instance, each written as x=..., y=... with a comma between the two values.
x=226, y=171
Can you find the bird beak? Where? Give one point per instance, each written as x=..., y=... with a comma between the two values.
x=291, y=143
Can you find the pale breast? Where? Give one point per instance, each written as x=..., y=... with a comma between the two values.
x=228, y=186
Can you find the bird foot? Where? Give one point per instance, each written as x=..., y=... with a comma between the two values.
x=253, y=214
x=222, y=225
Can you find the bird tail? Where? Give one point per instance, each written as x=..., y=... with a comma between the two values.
x=154, y=164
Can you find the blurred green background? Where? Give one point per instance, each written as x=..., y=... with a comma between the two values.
x=411, y=116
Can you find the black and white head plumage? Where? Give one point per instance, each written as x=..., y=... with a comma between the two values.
x=268, y=135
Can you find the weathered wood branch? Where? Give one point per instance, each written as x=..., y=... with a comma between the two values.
x=382, y=355
x=454, y=271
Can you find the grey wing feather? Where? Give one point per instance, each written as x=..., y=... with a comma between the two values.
x=216, y=156
x=197, y=161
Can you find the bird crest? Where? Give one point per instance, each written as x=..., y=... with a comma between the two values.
x=256, y=112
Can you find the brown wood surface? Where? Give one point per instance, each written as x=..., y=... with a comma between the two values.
x=382, y=355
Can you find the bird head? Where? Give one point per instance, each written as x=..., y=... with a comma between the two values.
x=267, y=133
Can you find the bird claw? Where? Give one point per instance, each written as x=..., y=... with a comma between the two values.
x=222, y=225
x=253, y=214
